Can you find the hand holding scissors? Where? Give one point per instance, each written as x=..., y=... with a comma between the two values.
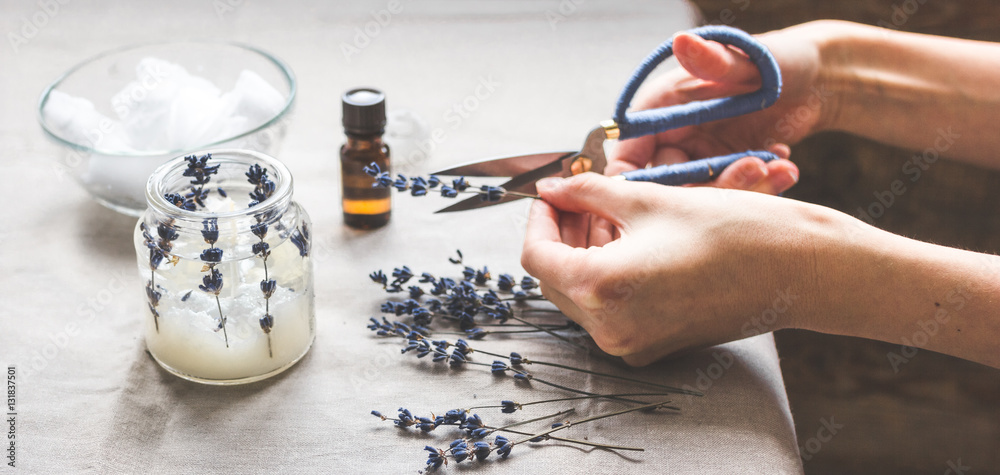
x=525, y=170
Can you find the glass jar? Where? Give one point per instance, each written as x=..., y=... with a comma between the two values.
x=223, y=253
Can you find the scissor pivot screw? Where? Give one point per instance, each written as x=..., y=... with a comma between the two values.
x=610, y=129
x=580, y=165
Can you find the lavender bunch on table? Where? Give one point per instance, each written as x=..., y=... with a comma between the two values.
x=474, y=446
x=462, y=299
x=461, y=355
x=464, y=449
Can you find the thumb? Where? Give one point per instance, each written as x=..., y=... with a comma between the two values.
x=608, y=198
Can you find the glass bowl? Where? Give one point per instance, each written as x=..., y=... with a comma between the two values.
x=121, y=114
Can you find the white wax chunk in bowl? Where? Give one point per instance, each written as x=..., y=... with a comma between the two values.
x=125, y=112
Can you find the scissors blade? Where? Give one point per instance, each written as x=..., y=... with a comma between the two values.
x=507, y=166
x=591, y=158
x=476, y=202
x=523, y=183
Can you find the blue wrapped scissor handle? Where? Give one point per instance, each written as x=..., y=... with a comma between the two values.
x=695, y=171
x=647, y=122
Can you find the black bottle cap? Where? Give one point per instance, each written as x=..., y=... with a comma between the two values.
x=364, y=111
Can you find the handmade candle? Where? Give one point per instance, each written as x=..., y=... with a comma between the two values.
x=224, y=256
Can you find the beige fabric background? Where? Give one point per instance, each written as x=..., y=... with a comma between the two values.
x=90, y=399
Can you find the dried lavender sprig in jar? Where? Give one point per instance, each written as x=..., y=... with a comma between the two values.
x=158, y=251
x=212, y=283
x=263, y=189
x=201, y=173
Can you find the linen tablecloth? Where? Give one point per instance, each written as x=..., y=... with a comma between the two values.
x=540, y=74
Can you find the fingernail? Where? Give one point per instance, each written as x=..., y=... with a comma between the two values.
x=752, y=174
x=794, y=175
x=786, y=180
x=548, y=185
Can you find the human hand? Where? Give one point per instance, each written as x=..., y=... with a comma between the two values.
x=690, y=267
x=711, y=70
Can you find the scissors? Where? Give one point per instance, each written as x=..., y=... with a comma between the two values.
x=525, y=170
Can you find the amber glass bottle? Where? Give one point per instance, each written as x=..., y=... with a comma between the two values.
x=365, y=207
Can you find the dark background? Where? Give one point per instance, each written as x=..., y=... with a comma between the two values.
x=938, y=413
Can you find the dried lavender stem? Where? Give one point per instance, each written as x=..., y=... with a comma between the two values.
x=267, y=310
x=596, y=373
x=542, y=418
x=532, y=377
x=221, y=317
x=578, y=441
x=591, y=419
x=521, y=299
x=567, y=340
x=615, y=376
x=578, y=391
x=574, y=398
x=152, y=285
x=499, y=332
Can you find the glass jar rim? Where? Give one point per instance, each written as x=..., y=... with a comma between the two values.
x=156, y=200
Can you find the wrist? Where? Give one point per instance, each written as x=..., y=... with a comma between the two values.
x=838, y=48
x=815, y=59
x=877, y=285
x=800, y=276
x=853, y=266
x=826, y=242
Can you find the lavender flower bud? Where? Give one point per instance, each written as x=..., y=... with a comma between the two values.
x=372, y=170
x=212, y=254
x=268, y=287
x=266, y=323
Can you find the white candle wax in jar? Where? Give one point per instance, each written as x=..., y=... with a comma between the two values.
x=228, y=275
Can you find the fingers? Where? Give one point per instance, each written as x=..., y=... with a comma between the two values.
x=713, y=61
x=753, y=174
x=590, y=193
x=565, y=305
x=781, y=175
x=781, y=150
x=601, y=232
x=574, y=228
x=644, y=358
x=743, y=174
x=544, y=255
x=630, y=154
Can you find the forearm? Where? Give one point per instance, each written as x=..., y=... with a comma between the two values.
x=890, y=288
x=910, y=90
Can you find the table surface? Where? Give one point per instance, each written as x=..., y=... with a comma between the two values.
x=89, y=398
